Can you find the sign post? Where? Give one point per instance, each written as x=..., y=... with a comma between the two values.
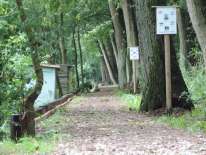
x=134, y=56
x=166, y=19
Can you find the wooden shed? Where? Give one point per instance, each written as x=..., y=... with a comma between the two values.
x=65, y=75
x=58, y=81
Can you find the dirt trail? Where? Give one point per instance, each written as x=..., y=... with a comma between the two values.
x=101, y=125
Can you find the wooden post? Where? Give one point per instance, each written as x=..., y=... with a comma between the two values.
x=168, y=73
x=16, y=127
x=134, y=76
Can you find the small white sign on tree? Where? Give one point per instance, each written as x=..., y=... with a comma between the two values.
x=166, y=18
x=134, y=53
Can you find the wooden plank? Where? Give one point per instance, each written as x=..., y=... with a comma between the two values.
x=168, y=73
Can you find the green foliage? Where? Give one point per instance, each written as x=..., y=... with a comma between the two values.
x=49, y=133
x=132, y=101
x=194, y=121
x=26, y=145
x=101, y=31
x=195, y=80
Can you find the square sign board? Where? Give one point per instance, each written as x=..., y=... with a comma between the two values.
x=134, y=53
x=166, y=20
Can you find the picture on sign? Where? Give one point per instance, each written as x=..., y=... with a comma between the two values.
x=134, y=53
x=166, y=18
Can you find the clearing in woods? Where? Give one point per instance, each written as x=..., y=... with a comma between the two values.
x=100, y=124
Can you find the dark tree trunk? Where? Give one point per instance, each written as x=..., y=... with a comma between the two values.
x=80, y=53
x=75, y=58
x=61, y=40
x=111, y=58
x=103, y=52
x=28, y=122
x=114, y=46
x=102, y=70
x=153, y=63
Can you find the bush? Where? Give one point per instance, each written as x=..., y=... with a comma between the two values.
x=132, y=101
x=195, y=80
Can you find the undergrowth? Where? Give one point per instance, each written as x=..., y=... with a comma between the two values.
x=131, y=100
x=194, y=121
x=49, y=133
x=26, y=145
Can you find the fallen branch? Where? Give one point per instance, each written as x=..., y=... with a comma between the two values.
x=52, y=111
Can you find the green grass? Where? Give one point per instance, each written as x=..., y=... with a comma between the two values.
x=45, y=141
x=26, y=146
x=132, y=101
x=194, y=121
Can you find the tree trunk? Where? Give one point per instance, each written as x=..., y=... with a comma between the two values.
x=61, y=40
x=28, y=122
x=75, y=58
x=128, y=69
x=81, y=57
x=153, y=63
x=198, y=18
x=111, y=58
x=114, y=46
x=182, y=37
x=120, y=42
x=131, y=37
x=102, y=47
x=129, y=23
x=102, y=70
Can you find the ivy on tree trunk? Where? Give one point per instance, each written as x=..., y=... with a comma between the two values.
x=28, y=122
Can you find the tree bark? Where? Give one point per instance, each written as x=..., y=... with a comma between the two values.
x=81, y=57
x=28, y=122
x=102, y=70
x=114, y=46
x=102, y=47
x=198, y=18
x=131, y=37
x=111, y=58
x=120, y=42
x=182, y=37
x=61, y=40
x=75, y=58
x=153, y=63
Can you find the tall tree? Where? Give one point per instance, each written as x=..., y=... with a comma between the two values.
x=62, y=40
x=104, y=53
x=197, y=11
x=182, y=37
x=75, y=57
x=132, y=39
x=29, y=113
x=114, y=46
x=153, y=62
x=120, y=42
x=80, y=54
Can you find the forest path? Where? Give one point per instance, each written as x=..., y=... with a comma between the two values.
x=100, y=124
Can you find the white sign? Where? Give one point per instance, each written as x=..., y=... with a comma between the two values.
x=166, y=18
x=134, y=53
